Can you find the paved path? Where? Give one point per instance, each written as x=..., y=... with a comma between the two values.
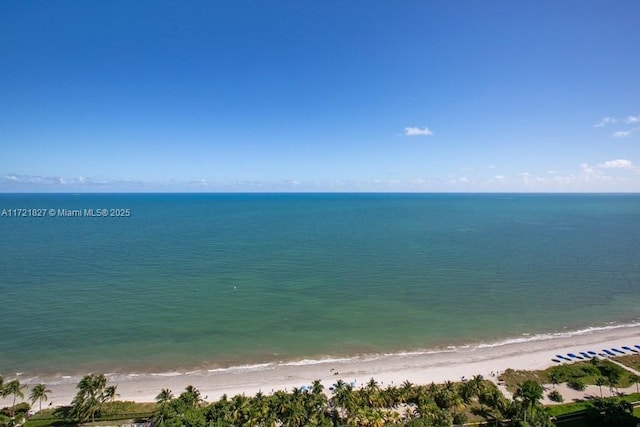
x=624, y=366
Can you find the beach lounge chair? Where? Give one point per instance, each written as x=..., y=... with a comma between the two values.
x=618, y=351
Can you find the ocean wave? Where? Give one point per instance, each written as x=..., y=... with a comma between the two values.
x=167, y=374
x=557, y=335
x=361, y=358
x=307, y=362
x=251, y=367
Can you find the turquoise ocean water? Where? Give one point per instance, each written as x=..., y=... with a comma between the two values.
x=191, y=281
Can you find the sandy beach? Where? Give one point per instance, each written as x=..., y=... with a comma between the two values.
x=418, y=368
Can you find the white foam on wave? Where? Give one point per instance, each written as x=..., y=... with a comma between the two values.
x=557, y=335
x=328, y=359
x=167, y=374
x=253, y=367
x=307, y=362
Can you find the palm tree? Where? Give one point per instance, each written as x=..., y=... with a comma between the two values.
x=344, y=397
x=498, y=404
x=13, y=388
x=530, y=392
x=317, y=401
x=279, y=404
x=163, y=409
x=240, y=409
x=110, y=393
x=92, y=394
x=600, y=381
x=190, y=396
x=613, y=377
x=371, y=394
x=39, y=392
x=466, y=391
x=164, y=396
x=635, y=379
x=556, y=378
x=478, y=384
x=407, y=391
x=259, y=410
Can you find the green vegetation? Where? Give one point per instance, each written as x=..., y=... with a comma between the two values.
x=92, y=394
x=404, y=405
x=568, y=408
x=13, y=388
x=15, y=415
x=632, y=361
x=555, y=396
x=39, y=392
x=475, y=400
x=512, y=378
x=613, y=412
x=111, y=411
x=18, y=412
x=577, y=375
x=576, y=384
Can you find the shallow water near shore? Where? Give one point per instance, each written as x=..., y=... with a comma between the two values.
x=199, y=281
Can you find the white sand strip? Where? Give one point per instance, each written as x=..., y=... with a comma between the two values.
x=391, y=369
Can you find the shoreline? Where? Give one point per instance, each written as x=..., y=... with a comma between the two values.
x=62, y=377
x=422, y=367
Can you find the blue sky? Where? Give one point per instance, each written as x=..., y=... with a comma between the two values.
x=320, y=96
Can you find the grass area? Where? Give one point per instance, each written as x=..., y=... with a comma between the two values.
x=568, y=408
x=112, y=411
x=576, y=407
x=586, y=371
x=632, y=361
x=512, y=378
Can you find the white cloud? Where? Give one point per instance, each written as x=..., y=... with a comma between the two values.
x=53, y=182
x=605, y=121
x=415, y=131
x=622, y=133
x=617, y=164
x=586, y=168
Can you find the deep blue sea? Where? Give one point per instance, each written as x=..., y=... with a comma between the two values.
x=216, y=280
